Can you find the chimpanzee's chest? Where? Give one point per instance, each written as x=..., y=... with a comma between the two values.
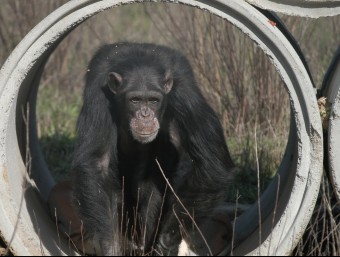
x=146, y=196
x=144, y=175
x=146, y=167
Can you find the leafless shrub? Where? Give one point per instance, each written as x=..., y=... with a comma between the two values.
x=236, y=77
x=17, y=18
x=322, y=237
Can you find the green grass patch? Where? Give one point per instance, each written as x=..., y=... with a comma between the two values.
x=57, y=112
x=57, y=115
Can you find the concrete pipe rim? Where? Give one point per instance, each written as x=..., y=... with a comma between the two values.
x=331, y=90
x=20, y=74
x=301, y=8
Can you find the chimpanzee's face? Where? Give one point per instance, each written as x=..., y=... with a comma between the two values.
x=141, y=101
x=144, y=114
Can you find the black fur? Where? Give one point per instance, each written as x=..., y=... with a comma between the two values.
x=114, y=177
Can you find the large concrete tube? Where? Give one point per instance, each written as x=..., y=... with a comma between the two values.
x=303, y=8
x=286, y=205
x=331, y=90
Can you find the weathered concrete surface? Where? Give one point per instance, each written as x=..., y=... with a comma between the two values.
x=298, y=178
x=305, y=8
x=331, y=89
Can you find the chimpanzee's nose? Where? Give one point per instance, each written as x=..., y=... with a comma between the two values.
x=145, y=112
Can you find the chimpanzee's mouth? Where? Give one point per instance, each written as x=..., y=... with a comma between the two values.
x=147, y=134
x=144, y=137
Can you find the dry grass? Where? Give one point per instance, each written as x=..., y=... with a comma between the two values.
x=322, y=237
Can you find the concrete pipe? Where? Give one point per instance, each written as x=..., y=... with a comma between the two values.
x=331, y=90
x=287, y=204
x=303, y=8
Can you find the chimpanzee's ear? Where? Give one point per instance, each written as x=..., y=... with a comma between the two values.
x=169, y=81
x=115, y=81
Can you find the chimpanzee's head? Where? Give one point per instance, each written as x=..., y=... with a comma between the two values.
x=140, y=96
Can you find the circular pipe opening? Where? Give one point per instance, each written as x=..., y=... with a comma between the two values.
x=292, y=194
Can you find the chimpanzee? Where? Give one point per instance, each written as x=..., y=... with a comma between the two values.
x=151, y=166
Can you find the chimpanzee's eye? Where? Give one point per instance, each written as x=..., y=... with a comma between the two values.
x=135, y=100
x=153, y=100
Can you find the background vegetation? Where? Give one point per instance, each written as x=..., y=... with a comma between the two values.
x=234, y=74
